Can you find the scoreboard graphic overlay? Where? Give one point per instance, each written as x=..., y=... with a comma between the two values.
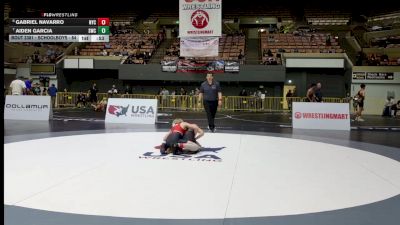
x=59, y=29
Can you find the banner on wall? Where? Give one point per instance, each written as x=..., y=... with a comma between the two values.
x=135, y=111
x=380, y=76
x=231, y=66
x=188, y=66
x=359, y=75
x=168, y=66
x=191, y=66
x=199, y=46
x=322, y=116
x=373, y=76
x=27, y=107
x=200, y=18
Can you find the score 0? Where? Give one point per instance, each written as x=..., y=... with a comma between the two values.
x=103, y=21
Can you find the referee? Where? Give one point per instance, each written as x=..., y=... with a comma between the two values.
x=211, y=100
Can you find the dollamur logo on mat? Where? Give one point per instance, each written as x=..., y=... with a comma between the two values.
x=118, y=110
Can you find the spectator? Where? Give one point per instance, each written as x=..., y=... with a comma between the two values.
x=289, y=96
x=269, y=53
x=28, y=85
x=388, y=107
x=197, y=91
x=18, y=87
x=318, y=93
x=53, y=93
x=243, y=92
x=29, y=60
x=128, y=89
x=44, y=92
x=328, y=40
x=36, y=89
x=395, y=108
x=164, y=94
x=241, y=57
x=81, y=100
x=93, y=93
x=310, y=96
x=113, y=90
x=183, y=91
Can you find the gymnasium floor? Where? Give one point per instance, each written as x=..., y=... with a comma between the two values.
x=255, y=169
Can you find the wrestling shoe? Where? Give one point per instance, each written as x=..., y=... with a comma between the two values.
x=175, y=149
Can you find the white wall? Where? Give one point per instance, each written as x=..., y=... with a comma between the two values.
x=375, y=96
x=377, y=92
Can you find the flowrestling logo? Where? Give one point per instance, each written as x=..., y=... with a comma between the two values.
x=322, y=116
x=118, y=110
x=205, y=155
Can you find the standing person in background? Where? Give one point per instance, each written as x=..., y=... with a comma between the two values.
x=212, y=98
x=310, y=96
x=395, y=108
x=93, y=93
x=36, y=89
x=318, y=93
x=360, y=98
x=128, y=90
x=44, y=91
x=289, y=96
x=17, y=87
x=28, y=84
x=243, y=92
x=53, y=93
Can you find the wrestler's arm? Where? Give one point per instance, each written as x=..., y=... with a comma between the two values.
x=166, y=135
x=197, y=130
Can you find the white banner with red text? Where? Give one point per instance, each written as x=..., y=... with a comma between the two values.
x=134, y=111
x=322, y=116
x=28, y=107
x=198, y=18
x=199, y=46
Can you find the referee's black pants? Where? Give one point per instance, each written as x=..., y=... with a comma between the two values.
x=211, y=109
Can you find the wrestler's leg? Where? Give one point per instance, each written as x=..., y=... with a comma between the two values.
x=189, y=146
x=189, y=136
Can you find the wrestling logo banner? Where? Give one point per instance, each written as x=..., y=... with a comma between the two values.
x=198, y=18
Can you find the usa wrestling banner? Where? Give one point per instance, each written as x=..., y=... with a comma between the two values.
x=200, y=18
x=199, y=46
x=186, y=66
